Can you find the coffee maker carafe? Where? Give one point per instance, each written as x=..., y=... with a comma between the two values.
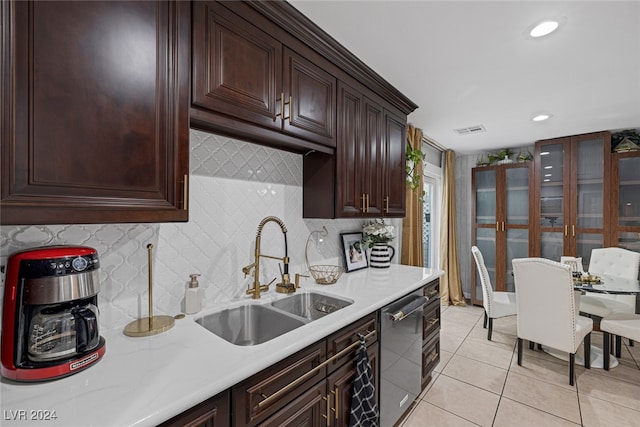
x=50, y=313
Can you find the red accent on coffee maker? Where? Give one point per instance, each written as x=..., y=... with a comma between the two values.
x=50, y=313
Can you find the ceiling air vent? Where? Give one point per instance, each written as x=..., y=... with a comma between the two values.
x=470, y=130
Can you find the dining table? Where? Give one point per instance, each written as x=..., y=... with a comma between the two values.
x=607, y=284
x=602, y=284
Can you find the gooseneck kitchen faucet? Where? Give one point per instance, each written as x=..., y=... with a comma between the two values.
x=285, y=286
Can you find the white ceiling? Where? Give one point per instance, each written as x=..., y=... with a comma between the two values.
x=468, y=63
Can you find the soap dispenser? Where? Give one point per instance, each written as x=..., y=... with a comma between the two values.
x=193, y=298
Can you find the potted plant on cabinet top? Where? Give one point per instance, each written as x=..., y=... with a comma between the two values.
x=525, y=157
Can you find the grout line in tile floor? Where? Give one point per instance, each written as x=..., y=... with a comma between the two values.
x=543, y=372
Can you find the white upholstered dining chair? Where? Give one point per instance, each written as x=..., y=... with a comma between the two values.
x=547, y=309
x=496, y=304
x=611, y=262
x=573, y=262
x=621, y=325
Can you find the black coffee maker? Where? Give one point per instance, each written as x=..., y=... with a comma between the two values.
x=50, y=313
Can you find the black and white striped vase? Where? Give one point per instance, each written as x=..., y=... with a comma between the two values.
x=381, y=255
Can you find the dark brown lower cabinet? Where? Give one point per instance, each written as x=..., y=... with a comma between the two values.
x=266, y=393
x=431, y=331
x=340, y=387
x=312, y=387
x=213, y=412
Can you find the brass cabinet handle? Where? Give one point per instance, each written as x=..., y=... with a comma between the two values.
x=327, y=416
x=335, y=401
x=573, y=230
x=281, y=113
x=386, y=204
x=497, y=226
x=282, y=104
x=566, y=230
x=432, y=321
x=367, y=195
x=433, y=356
x=363, y=208
x=432, y=293
x=185, y=192
x=502, y=225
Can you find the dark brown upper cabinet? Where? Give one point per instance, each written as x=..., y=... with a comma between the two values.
x=310, y=93
x=264, y=72
x=94, y=112
x=366, y=177
x=247, y=82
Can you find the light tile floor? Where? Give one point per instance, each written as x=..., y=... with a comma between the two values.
x=479, y=382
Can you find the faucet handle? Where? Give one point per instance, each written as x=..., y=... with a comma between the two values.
x=298, y=276
x=247, y=269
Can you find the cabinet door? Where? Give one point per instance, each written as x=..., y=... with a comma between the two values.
x=237, y=68
x=340, y=388
x=349, y=335
x=212, y=412
x=591, y=194
x=264, y=394
x=553, y=176
x=394, y=175
x=485, y=224
x=350, y=153
x=310, y=93
x=574, y=195
x=306, y=410
x=626, y=201
x=515, y=227
x=95, y=112
x=373, y=161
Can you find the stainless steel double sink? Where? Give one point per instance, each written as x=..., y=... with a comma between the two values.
x=253, y=324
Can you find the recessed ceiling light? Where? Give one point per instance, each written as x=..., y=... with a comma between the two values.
x=544, y=28
x=541, y=117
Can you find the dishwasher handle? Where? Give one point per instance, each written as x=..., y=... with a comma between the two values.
x=408, y=309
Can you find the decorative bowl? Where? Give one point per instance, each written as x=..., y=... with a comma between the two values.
x=326, y=274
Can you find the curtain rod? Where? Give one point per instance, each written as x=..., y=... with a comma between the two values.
x=433, y=144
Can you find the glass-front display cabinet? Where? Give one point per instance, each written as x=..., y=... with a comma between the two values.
x=625, y=231
x=501, y=222
x=572, y=196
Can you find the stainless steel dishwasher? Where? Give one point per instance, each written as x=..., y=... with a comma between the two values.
x=400, y=356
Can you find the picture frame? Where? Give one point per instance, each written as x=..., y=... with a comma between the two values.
x=353, y=251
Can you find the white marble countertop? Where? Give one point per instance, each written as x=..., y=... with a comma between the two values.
x=144, y=381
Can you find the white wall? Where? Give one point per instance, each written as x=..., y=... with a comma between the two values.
x=233, y=185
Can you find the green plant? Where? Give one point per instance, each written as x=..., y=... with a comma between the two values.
x=483, y=160
x=414, y=157
x=525, y=157
x=504, y=154
x=492, y=157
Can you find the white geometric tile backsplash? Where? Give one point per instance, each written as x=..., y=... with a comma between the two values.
x=233, y=186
